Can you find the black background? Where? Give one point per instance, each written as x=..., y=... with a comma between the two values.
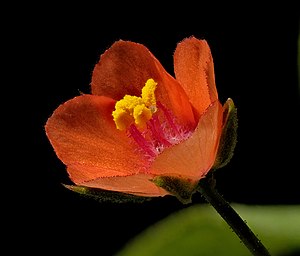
x=255, y=56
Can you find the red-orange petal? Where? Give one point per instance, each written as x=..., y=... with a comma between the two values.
x=194, y=69
x=194, y=157
x=85, y=138
x=126, y=66
x=138, y=184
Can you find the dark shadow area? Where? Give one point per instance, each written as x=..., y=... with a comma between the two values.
x=294, y=253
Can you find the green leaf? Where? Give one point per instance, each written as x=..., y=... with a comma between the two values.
x=199, y=230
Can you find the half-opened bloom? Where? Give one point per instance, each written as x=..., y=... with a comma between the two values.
x=141, y=131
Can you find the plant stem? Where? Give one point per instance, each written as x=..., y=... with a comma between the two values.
x=207, y=189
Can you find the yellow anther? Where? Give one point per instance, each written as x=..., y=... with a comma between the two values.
x=141, y=115
x=148, y=95
x=128, y=103
x=137, y=110
x=122, y=119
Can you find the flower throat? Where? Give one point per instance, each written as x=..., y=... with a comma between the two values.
x=151, y=125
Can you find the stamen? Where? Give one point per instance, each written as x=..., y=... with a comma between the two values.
x=157, y=131
x=170, y=119
x=145, y=145
x=149, y=123
x=133, y=109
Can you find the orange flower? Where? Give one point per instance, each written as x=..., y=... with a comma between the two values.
x=140, y=131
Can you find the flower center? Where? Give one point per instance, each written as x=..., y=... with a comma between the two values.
x=152, y=126
x=137, y=110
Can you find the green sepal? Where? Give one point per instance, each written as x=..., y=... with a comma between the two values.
x=228, y=138
x=102, y=195
x=182, y=188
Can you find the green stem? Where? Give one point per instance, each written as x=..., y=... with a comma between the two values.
x=255, y=246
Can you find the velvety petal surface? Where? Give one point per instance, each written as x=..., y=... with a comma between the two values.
x=194, y=70
x=84, y=138
x=138, y=184
x=194, y=157
x=126, y=66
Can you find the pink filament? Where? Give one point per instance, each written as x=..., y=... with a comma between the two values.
x=158, y=132
x=163, y=132
x=170, y=119
x=145, y=145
